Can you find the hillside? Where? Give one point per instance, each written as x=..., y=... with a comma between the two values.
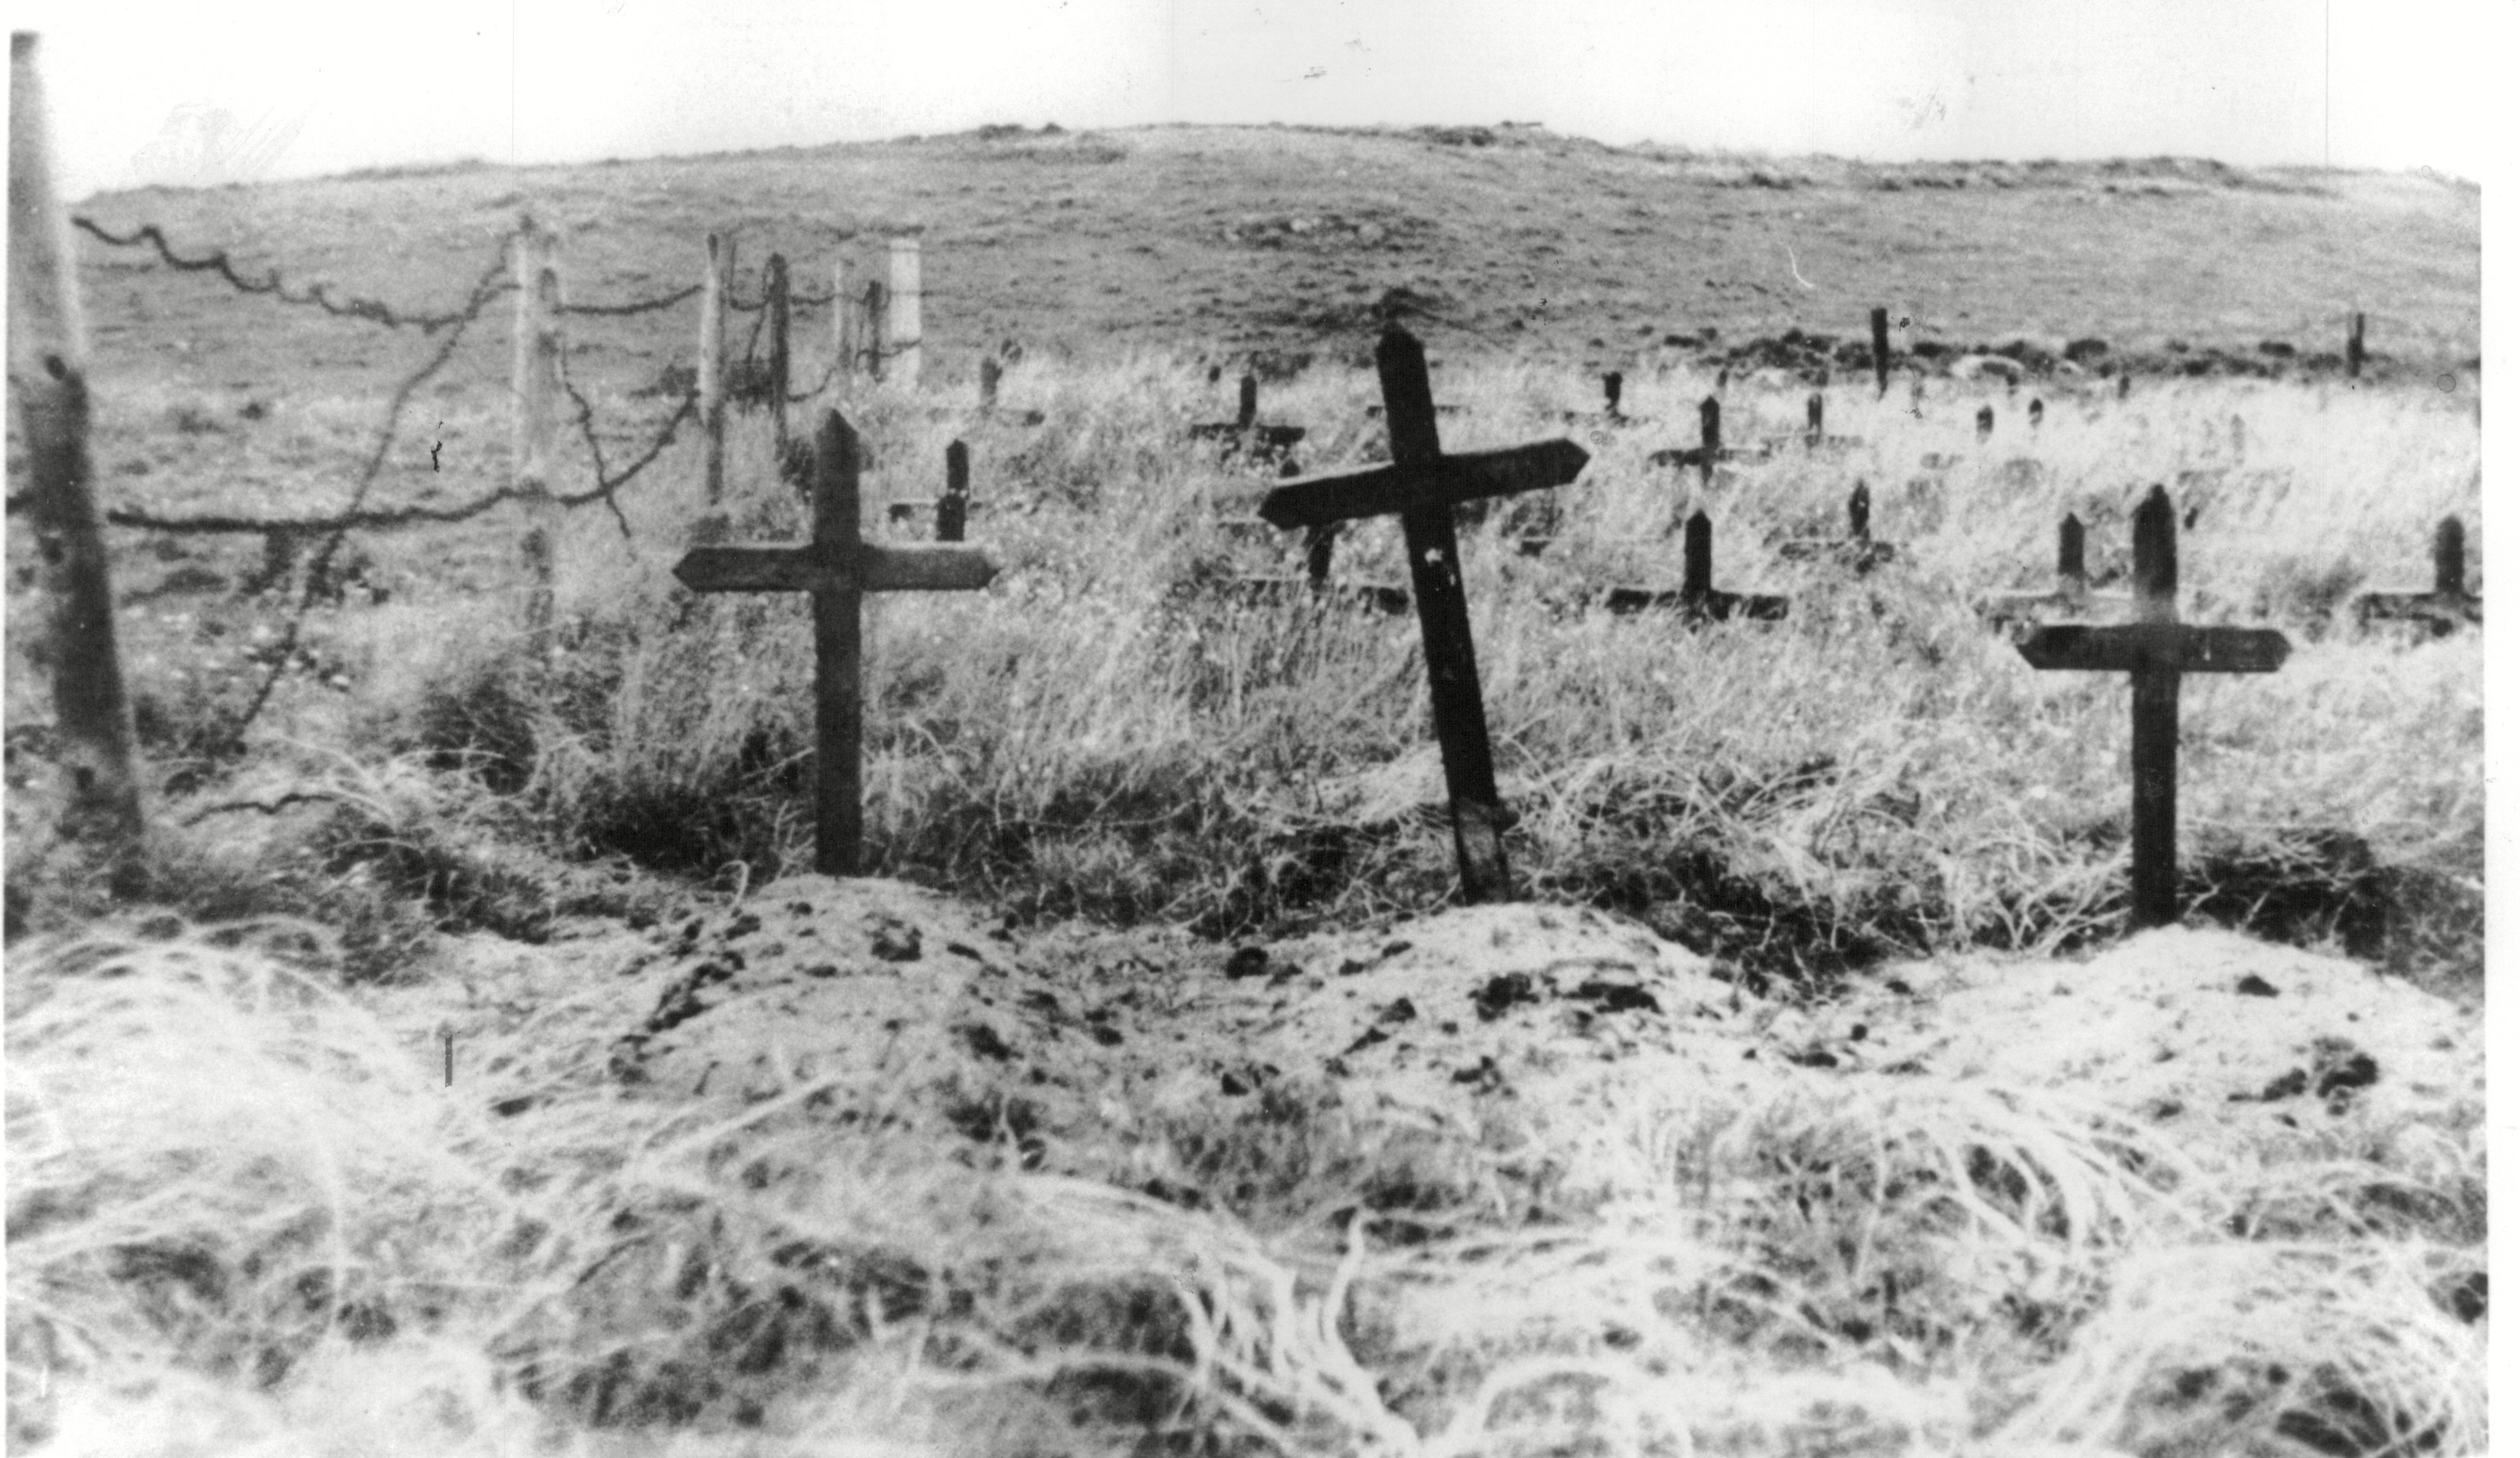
x=1511, y=240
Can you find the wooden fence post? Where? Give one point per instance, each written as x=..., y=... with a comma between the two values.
x=537, y=409
x=774, y=299
x=1881, y=352
x=712, y=372
x=904, y=323
x=1812, y=433
x=843, y=326
x=48, y=384
x=1710, y=438
x=871, y=334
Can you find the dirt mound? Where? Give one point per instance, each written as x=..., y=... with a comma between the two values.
x=884, y=1002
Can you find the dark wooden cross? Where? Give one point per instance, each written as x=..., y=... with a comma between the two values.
x=1698, y=599
x=1244, y=435
x=2072, y=593
x=954, y=508
x=1611, y=385
x=1422, y=486
x=837, y=567
x=1881, y=350
x=1856, y=549
x=2448, y=606
x=2156, y=648
x=2038, y=411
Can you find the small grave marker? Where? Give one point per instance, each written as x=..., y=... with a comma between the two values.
x=1856, y=549
x=990, y=370
x=1698, y=599
x=2156, y=648
x=2038, y=411
x=1881, y=352
x=953, y=509
x=837, y=567
x=2353, y=355
x=1423, y=484
x=1985, y=422
x=2448, y=607
x=2072, y=593
x=1244, y=435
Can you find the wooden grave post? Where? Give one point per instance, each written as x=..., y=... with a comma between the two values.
x=1814, y=432
x=2156, y=649
x=537, y=409
x=1881, y=352
x=2448, y=606
x=1244, y=435
x=902, y=328
x=2072, y=593
x=1856, y=549
x=1613, y=384
x=1985, y=423
x=712, y=370
x=1423, y=484
x=2354, y=346
x=954, y=508
x=1698, y=599
x=774, y=299
x=1710, y=437
x=990, y=370
x=2038, y=411
x=48, y=386
x=838, y=568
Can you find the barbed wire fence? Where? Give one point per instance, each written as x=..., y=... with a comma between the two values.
x=330, y=532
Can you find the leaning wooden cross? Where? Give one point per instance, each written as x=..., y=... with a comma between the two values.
x=2156, y=648
x=1423, y=484
x=837, y=567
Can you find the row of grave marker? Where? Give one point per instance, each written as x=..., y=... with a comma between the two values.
x=1422, y=486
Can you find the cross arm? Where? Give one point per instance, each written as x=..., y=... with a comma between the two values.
x=809, y=569
x=1449, y=480
x=2184, y=648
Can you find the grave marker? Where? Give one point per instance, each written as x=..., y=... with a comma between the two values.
x=2449, y=605
x=1244, y=435
x=2071, y=594
x=1856, y=549
x=2156, y=649
x=1881, y=352
x=2353, y=355
x=953, y=509
x=1423, y=484
x=1985, y=422
x=837, y=567
x=2038, y=411
x=1698, y=599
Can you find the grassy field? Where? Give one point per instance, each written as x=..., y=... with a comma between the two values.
x=239, y=1193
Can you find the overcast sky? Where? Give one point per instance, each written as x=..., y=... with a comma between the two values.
x=197, y=92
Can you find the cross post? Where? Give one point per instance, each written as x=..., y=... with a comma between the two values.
x=1698, y=599
x=1422, y=486
x=2156, y=648
x=837, y=567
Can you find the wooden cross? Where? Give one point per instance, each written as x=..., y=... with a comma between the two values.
x=1697, y=598
x=1881, y=350
x=1244, y=433
x=954, y=508
x=2444, y=609
x=1858, y=549
x=2156, y=648
x=1422, y=486
x=837, y=567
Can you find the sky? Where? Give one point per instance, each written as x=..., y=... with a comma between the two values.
x=190, y=93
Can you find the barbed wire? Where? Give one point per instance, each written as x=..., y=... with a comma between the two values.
x=319, y=569
x=317, y=295
x=376, y=312
x=606, y=485
x=638, y=306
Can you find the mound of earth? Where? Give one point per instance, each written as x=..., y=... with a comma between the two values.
x=886, y=1002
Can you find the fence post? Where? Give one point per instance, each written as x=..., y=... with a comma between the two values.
x=844, y=325
x=871, y=333
x=775, y=299
x=903, y=330
x=2354, y=346
x=712, y=377
x=537, y=414
x=48, y=382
